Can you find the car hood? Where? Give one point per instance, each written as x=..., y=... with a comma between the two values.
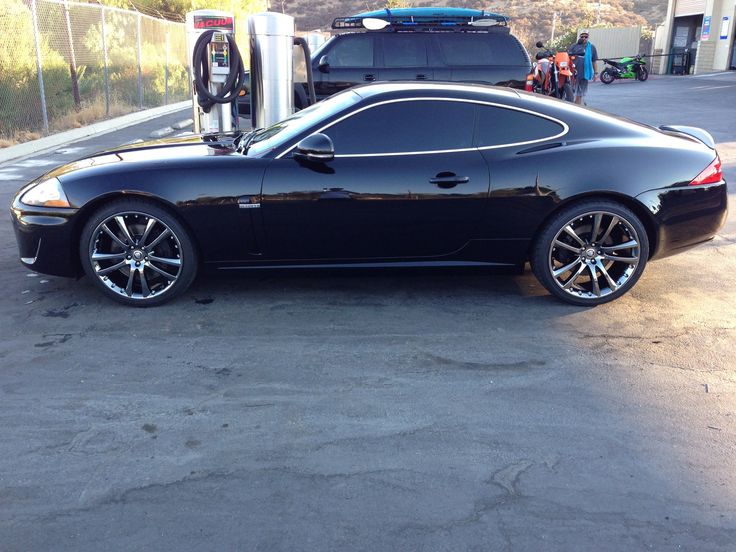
x=170, y=149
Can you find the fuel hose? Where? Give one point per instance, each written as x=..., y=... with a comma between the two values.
x=235, y=79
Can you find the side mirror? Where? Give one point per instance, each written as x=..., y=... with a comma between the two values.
x=317, y=148
x=540, y=44
x=323, y=65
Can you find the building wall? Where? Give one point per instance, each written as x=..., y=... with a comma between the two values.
x=615, y=42
x=714, y=53
x=723, y=47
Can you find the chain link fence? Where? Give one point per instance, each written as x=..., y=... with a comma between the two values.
x=65, y=64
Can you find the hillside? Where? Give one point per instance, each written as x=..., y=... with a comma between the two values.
x=531, y=19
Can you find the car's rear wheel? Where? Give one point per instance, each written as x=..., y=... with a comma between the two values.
x=137, y=253
x=590, y=253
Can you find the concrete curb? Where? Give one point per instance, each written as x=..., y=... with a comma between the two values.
x=102, y=127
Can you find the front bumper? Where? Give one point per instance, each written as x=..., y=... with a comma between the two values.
x=46, y=239
x=686, y=215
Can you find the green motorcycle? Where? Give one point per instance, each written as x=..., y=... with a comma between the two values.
x=628, y=68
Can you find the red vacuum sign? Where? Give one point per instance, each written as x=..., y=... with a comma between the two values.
x=213, y=22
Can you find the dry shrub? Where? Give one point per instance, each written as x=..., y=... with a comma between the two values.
x=18, y=137
x=91, y=112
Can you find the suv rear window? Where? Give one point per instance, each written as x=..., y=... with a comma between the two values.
x=404, y=50
x=481, y=49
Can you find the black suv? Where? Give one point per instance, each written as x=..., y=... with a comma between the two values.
x=463, y=53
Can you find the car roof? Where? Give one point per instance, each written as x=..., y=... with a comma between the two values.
x=566, y=111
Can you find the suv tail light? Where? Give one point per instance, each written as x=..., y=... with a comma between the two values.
x=712, y=174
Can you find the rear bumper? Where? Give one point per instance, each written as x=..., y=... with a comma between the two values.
x=686, y=216
x=45, y=239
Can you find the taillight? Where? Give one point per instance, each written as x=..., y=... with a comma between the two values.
x=529, y=83
x=712, y=174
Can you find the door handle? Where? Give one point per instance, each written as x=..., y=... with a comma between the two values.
x=369, y=77
x=249, y=202
x=445, y=180
x=422, y=77
x=334, y=193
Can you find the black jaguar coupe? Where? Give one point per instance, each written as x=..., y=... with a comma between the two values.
x=384, y=175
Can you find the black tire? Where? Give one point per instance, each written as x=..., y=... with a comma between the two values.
x=602, y=263
x=642, y=74
x=607, y=77
x=567, y=94
x=137, y=253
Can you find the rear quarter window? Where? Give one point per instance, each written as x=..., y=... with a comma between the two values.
x=481, y=49
x=497, y=126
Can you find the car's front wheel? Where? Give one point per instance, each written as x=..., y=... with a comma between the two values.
x=591, y=252
x=137, y=253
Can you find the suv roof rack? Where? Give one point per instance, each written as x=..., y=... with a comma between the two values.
x=407, y=19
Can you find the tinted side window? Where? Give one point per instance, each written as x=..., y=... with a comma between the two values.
x=404, y=50
x=497, y=126
x=481, y=49
x=410, y=126
x=352, y=51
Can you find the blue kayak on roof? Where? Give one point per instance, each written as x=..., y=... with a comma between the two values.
x=438, y=13
x=423, y=16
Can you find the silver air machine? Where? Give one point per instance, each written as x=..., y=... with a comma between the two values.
x=217, y=70
x=271, y=68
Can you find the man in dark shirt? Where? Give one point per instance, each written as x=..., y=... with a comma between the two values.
x=586, y=61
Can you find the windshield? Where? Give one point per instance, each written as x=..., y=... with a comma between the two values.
x=268, y=138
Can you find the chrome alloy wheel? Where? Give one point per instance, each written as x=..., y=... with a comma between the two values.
x=136, y=255
x=594, y=255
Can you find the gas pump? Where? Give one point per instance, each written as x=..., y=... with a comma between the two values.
x=272, y=89
x=217, y=70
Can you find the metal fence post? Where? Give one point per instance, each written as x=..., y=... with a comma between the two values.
x=166, y=71
x=39, y=67
x=138, y=57
x=104, y=57
x=72, y=59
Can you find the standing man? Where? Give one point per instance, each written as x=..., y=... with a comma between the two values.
x=586, y=60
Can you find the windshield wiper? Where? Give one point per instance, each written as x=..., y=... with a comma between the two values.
x=237, y=140
x=245, y=140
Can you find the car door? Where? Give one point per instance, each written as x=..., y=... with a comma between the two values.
x=350, y=61
x=519, y=146
x=405, y=57
x=405, y=183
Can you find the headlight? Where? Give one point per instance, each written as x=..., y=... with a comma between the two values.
x=47, y=193
x=563, y=64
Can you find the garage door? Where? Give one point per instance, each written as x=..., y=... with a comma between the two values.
x=689, y=7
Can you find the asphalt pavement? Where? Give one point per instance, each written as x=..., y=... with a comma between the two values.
x=377, y=411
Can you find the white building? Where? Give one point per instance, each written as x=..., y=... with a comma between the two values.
x=699, y=32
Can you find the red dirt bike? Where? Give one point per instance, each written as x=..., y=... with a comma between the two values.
x=553, y=74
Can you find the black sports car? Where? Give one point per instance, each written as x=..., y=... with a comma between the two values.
x=399, y=174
